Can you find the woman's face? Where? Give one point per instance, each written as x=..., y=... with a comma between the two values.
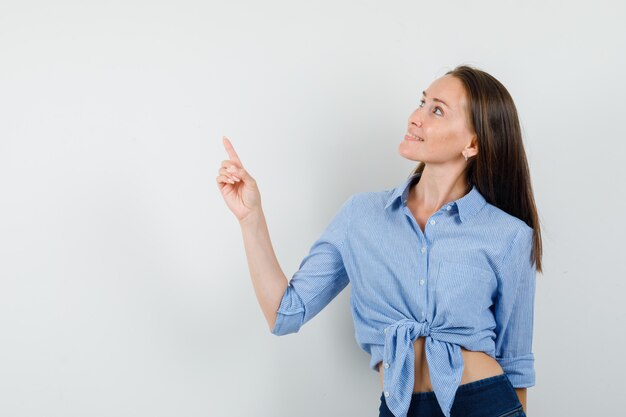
x=441, y=123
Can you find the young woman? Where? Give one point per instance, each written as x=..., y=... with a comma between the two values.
x=442, y=267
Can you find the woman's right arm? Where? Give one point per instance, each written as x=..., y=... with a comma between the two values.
x=268, y=279
x=321, y=276
x=242, y=196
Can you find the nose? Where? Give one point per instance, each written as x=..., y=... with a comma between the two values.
x=415, y=122
x=415, y=118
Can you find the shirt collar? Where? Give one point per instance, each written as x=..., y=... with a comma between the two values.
x=467, y=206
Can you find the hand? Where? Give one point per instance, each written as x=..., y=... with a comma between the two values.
x=238, y=188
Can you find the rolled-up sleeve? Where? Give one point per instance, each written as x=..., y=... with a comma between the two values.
x=514, y=311
x=321, y=276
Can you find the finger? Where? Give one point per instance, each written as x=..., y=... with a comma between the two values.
x=231, y=168
x=223, y=183
x=230, y=150
x=228, y=163
x=227, y=172
x=225, y=179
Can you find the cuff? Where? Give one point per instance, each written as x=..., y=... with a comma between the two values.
x=290, y=313
x=519, y=369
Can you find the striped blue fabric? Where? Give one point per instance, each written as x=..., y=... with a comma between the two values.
x=465, y=281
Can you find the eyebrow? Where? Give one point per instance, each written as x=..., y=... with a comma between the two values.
x=436, y=99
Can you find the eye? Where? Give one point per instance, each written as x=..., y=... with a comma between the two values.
x=436, y=108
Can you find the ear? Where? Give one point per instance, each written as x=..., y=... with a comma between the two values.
x=472, y=147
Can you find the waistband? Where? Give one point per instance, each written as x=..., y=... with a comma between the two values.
x=469, y=386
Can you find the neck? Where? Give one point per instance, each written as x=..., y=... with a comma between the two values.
x=434, y=189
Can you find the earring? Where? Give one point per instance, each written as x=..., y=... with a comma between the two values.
x=465, y=154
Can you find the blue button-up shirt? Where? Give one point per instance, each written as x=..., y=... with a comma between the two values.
x=466, y=280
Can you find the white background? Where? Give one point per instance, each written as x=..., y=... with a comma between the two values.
x=124, y=287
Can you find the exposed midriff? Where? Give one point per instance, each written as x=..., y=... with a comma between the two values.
x=476, y=365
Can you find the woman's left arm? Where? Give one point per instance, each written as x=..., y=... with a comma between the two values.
x=521, y=393
x=514, y=314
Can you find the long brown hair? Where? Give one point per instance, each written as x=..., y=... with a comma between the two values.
x=500, y=169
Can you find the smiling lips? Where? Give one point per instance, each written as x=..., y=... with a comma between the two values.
x=412, y=137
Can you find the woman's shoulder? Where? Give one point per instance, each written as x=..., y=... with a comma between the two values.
x=504, y=221
x=370, y=200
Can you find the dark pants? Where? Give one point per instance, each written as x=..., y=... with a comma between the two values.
x=488, y=397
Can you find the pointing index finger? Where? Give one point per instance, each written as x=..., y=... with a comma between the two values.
x=231, y=151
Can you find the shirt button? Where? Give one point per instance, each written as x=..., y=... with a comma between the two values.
x=385, y=330
x=432, y=222
x=386, y=365
x=386, y=393
x=423, y=249
x=448, y=208
x=423, y=314
x=421, y=282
